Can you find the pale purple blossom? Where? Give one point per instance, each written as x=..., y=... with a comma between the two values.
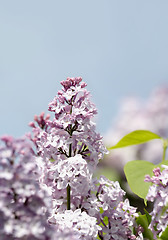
x=69, y=149
x=116, y=217
x=158, y=193
x=78, y=222
x=69, y=146
x=73, y=172
x=24, y=204
x=72, y=125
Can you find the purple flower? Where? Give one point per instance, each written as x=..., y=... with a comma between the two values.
x=77, y=222
x=24, y=204
x=158, y=193
x=69, y=146
x=70, y=149
x=72, y=125
x=114, y=214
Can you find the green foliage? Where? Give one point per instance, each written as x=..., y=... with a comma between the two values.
x=135, y=172
x=149, y=218
x=109, y=173
x=143, y=221
x=164, y=235
x=147, y=233
x=135, y=137
x=52, y=160
x=105, y=220
x=162, y=163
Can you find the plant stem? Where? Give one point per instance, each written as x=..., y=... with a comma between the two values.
x=100, y=236
x=68, y=197
x=68, y=187
x=165, y=145
x=70, y=150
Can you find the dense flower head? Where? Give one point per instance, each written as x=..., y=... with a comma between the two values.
x=72, y=125
x=75, y=173
x=69, y=149
x=113, y=213
x=72, y=82
x=23, y=204
x=80, y=223
x=69, y=142
x=72, y=102
x=66, y=234
x=158, y=193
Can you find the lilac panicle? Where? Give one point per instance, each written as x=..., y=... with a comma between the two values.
x=121, y=216
x=70, y=137
x=70, y=149
x=83, y=225
x=72, y=125
x=158, y=193
x=23, y=204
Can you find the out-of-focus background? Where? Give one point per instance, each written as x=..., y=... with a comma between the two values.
x=120, y=48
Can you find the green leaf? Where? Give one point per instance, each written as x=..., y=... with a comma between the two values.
x=143, y=221
x=135, y=137
x=162, y=163
x=164, y=235
x=105, y=219
x=149, y=217
x=52, y=160
x=135, y=172
x=109, y=173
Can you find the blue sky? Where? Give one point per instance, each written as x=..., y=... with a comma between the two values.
x=120, y=48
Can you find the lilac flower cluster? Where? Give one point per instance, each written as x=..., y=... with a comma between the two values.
x=69, y=150
x=23, y=204
x=101, y=212
x=116, y=216
x=158, y=193
x=72, y=123
x=83, y=225
x=69, y=142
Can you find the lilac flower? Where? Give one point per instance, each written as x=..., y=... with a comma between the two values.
x=158, y=193
x=75, y=173
x=68, y=145
x=116, y=216
x=78, y=222
x=67, y=234
x=24, y=205
x=70, y=149
x=72, y=125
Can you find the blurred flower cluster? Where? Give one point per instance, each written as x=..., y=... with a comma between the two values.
x=151, y=114
x=24, y=205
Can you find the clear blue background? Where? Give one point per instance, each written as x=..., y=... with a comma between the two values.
x=118, y=47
